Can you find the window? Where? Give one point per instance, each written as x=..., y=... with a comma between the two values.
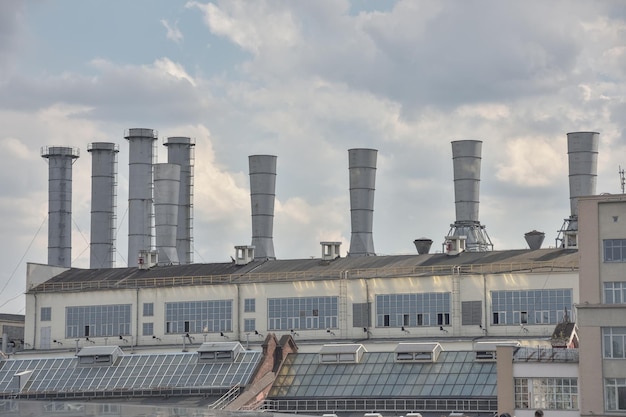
x=499, y=317
x=615, y=389
x=443, y=319
x=614, y=342
x=614, y=293
x=148, y=329
x=523, y=317
x=249, y=325
x=530, y=307
x=209, y=316
x=148, y=309
x=546, y=393
x=98, y=320
x=302, y=313
x=412, y=310
x=471, y=313
x=46, y=313
x=249, y=305
x=614, y=250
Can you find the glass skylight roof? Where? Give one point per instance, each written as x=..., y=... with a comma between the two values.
x=129, y=372
x=454, y=374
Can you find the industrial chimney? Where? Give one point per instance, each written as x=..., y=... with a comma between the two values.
x=140, y=158
x=166, y=198
x=582, y=151
x=60, y=161
x=467, y=233
x=103, y=199
x=262, y=196
x=180, y=151
x=362, y=167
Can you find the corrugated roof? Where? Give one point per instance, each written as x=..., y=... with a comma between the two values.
x=310, y=269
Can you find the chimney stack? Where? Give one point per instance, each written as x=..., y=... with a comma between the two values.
x=103, y=199
x=180, y=151
x=467, y=233
x=362, y=168
x=166, y=197
x=582, y=152
x=60, y=161
x=262, y=195
x=140, y=159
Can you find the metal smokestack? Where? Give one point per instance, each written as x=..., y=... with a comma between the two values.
x=166, y=197
x=362, y=167
x=466, y=160
x=582, y=152
x=140, y=159
x=103, y=201
x=60, y=161
x=180, y=151
x=262, y=196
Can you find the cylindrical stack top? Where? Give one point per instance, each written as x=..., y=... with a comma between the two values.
x=362, y=170
x=178, y=140
x=141, y=133
x=103, y=146
x=582, y=151
x=466, y=159
x=51, y=151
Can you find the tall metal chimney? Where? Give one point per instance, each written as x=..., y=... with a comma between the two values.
x=262, y=196
x=141, y=156
x=166, y=197
x=180, y=151
x=103, y=202
x=582, y=151
x=362, y=167
x=466, y=159
x=60, y=161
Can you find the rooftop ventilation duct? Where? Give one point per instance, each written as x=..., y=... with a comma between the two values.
x=582, y=152
x=180, y=151
x=534, y=239
x=166, y=197
x=423, y=245
x=103, y=202
x=262, y=196
x=467, y=231
x=362, y=167
x=60, y=161
x=141, y=156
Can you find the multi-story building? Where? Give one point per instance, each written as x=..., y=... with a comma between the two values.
x=601, y=312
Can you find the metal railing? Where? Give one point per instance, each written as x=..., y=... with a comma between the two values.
x=389, y=272
x=540, y=354
x=225, y=399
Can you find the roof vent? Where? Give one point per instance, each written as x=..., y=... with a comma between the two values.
x=244, y=254
x=486, y=351
x=98, y=355
x=330, y=250
x=147, y=259
x=219, y=352
x=454, y=245
x=342, y=353
x=534, y=239
x=423, y=245
x=417, y=352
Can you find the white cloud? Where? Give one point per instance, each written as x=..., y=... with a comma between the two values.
x=173, y=33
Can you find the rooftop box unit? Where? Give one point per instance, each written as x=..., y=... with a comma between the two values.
x=486, y=351
x=219, y=352
x=417, y=352
x=244, y=254
x=147, y=259
x=330, y=250
x=98, y=355
x=341, y=353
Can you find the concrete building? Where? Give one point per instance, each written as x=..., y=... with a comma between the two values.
x=601, y=312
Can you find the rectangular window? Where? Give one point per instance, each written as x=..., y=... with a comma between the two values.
x=546, y=393
x=208, y=316
x=148, y=309
x=386, y=320
x=249, y=305
x=46, y=313
x=360, y=315
x=515, y=307
x=249, y=325
x=443, y=319
x=614, y=342
x=471, y=313
x=420, y=319
x=523, y=317
x=412, y=309
x=98, y=320
x=615, y=389
x=303, y=313
x=148, y=329
x=405, y=320
x=614, y=250
x=615, y=292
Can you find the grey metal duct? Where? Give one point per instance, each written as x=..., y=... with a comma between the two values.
x=180, y=151
x=60, y=161
x=262, y=196
x=582, y=152
x=466, y=161
x=140, y=159
x=423, y=245
x=103, y=202
x=166, y=198
x=362, y=168
x=534, y=239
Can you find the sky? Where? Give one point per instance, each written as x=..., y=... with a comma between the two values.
x=306, y=81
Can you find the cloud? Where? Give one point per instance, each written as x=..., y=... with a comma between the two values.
x=11, y=28
x=173, y=33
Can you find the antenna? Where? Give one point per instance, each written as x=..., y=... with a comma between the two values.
x=621, y=178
